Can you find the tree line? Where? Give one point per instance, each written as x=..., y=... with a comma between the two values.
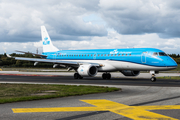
x=10, y=62
x=176, y=57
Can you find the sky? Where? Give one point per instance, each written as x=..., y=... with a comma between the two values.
x=94, y=24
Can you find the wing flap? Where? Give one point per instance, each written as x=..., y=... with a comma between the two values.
x=68, y=63
x=47, y=61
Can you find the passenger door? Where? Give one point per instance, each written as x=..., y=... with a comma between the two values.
x=143, y=57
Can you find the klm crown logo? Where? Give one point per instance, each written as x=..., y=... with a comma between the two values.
x=46, y=41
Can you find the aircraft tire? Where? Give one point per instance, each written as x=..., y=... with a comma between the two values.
x=153, y=79
x=104, y=75
x=76, y=75
x=108, y=76
x=80, y=77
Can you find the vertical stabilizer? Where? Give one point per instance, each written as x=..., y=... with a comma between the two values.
x=46, y=41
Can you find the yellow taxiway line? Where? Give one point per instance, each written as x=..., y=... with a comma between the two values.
x=133, y=112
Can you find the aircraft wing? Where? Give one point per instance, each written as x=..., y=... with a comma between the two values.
x=67, y=63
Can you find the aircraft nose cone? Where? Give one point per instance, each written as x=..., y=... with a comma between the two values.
x=171, y=63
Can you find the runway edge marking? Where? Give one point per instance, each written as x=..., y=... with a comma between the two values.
x=133, y=112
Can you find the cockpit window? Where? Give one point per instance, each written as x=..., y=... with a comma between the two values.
x=155, y=54
x=162, y=54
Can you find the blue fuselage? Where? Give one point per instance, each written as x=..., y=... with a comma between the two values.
x=142, y=56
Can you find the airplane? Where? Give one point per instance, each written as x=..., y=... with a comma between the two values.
x=87, y=63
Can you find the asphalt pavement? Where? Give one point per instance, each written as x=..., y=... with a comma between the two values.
x=139, y=99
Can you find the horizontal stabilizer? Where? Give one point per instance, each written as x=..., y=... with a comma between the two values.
x=31, y=53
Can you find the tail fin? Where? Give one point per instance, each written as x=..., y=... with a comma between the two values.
x=46, y=41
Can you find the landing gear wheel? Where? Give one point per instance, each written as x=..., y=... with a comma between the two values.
x=77, y=76
x=80, y=77
x=153, y=79
x=106, y=76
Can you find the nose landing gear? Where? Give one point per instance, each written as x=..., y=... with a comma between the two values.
x=153, y=78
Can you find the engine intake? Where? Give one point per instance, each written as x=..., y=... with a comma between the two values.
x=130, y=73
x=87, y=70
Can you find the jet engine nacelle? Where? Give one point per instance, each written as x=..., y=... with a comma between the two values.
x=87, y=70
x=130, y=73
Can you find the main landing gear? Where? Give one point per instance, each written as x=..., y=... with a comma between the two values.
x=77, y=76
x=106, y=76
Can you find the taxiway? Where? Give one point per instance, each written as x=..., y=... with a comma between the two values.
x=136, y=94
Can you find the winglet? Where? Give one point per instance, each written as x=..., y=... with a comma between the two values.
x=9, y=56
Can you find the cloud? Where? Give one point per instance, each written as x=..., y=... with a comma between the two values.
x=112, y=41
x=142, y=16
x=95, y=24
x=21, y=20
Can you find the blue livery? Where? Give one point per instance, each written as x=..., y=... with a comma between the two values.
x=87, y=63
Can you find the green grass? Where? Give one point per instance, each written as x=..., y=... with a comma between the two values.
x=170, y=77
x=26, y=92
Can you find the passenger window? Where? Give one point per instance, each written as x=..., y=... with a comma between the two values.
x=129, y=54
x=105, y=55
x=118, y=54
x=98, y=54
x=122, y=54
x=111, y=54
x=126, y=54
x=101, y=54
x=108, y=54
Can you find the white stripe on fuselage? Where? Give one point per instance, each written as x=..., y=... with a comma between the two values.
x=110, y=65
